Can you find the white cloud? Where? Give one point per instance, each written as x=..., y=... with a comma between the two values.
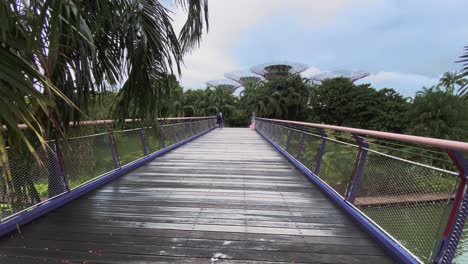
x=405, y=83
x=229, y=19
x=310, y=72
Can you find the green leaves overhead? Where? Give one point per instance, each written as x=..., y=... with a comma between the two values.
x=280, y=97
x=57, y=55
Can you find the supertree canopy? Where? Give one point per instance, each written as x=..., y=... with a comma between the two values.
x=229, y=84
x=272, y=69
x=352, y=75
x=244, y=77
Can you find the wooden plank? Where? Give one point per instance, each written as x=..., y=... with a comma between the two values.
x=226, y=197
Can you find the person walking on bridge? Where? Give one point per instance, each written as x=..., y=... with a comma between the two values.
x=219, y=120
x=252, y=120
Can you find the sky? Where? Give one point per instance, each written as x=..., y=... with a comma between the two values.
x=404, y=44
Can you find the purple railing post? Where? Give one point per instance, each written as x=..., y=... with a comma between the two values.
x=191, y=129
x=301, y=145
x=113, y=146
x=144, y=142
x=279, y=134
x=184, y=129
x=320, y=151
x=161, y=132
x=454, y=228
x=176, y=139
x=57, y=181
x=268, y=129
x=61, y=163
x=288, y=140
x=355, y=182
x=273, y=131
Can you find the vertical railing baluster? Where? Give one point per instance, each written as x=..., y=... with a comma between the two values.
x=57, y=180
x=184, y=132
x=162, y=137
x=355, y=182
x=288, y=139
x=144, y=142
x=457, y=218
x=176, y=139
x=279, y=135
x=301, y=145
x=114, y=150
x=191, y=129
x=320, y=151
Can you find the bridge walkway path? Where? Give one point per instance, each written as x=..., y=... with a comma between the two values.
x=226, y=197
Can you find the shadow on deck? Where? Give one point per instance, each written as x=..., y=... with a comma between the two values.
x=227, y=197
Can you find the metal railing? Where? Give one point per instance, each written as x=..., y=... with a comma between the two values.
x=65, y=165
x=406, y=186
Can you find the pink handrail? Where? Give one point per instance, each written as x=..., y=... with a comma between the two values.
x=109, y=121
x=440, y=143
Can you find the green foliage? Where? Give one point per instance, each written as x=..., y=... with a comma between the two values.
x=208, y=102
x=279, y=97
x=452, y=80
x=100, y=107
x=238, y=118
x=339, y=101
x=463, y=91
x=440, y=114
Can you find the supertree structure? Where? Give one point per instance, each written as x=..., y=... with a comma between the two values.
x=244, y=77
x=229, y=84
x=352, y=75
x=283, y=68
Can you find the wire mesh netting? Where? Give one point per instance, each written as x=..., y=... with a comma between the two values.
x=408, y=200
x=309, y=150
x=32, y=180
x=168, y=135
x=292, y=143
x=180, y=131
x=129, y=145
x=337, y=165
x=153, y=139
x=80, y=160
x=85, y=158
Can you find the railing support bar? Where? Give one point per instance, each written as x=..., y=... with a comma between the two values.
x=355, y=182
x=144, y=142
x=288, y=140
x=176, y=139
x=301, y=145
x=456, y=222
x=114, y=151
x=320, y=151
x=191, y=129
x=57, y=181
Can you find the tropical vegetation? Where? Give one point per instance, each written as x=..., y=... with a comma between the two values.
x=58, y=56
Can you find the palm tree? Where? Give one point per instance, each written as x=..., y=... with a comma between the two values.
x=463, y=91
x=220, y=99
x=58, y=54
x=452, y=79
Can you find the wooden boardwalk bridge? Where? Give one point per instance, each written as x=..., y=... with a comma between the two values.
x=226, y=197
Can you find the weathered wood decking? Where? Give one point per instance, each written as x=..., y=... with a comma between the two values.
x=227, y=197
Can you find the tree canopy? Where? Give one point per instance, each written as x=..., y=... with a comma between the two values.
x=58, y=55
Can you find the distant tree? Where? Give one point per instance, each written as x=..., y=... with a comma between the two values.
x=439, y=114
x=390, y=111
x=208, y=102
x=463, y=91
x=101, y=106
x=339, y=101
x=221, y=99
x=450, y=80
x=279, y=97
